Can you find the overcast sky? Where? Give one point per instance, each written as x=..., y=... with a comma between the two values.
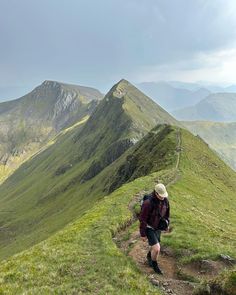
x=98, y=42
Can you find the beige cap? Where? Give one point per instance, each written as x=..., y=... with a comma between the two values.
x=161, y=190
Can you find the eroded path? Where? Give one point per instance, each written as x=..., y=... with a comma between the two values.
x=178, y=279
x=170, y=282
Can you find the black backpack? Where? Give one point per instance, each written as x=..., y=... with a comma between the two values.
x=145, y=197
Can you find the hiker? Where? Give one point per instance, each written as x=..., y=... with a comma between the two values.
x=154, y=218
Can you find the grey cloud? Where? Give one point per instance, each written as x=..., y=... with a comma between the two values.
x=94, y=42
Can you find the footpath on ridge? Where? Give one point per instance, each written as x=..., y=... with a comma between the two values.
x=177, y=279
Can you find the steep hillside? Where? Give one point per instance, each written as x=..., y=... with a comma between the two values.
x=219, y=107
x=83, y=257
x=65, y=179
x=172, y=97
x=220, y=136
x=28, y=122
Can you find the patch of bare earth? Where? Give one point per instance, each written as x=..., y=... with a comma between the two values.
x=169, y=282
x=178, y=279
x=205, y=269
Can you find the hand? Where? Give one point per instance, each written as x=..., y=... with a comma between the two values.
x=144, y=239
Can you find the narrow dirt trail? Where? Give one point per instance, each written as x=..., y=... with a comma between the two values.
x=169, y=283
x=177, y=279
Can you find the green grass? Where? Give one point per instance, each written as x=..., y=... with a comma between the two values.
x=203, y=202
x=225, y=283
x=220, y=136
x=83, y=258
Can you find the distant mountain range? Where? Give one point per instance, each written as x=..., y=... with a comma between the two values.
x=173, y=95
x=219, y=107
x=170, y=97
x=209, y=86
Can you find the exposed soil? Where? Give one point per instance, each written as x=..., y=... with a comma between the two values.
x=169, y=283
x=178, y=279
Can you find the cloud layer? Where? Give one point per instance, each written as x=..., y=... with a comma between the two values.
x=98, y=42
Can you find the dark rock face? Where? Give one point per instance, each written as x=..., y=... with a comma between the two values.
x=136, y=165
x=112, y=153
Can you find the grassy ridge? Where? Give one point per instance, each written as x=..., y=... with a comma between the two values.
x=83, y=257
x=203, y=202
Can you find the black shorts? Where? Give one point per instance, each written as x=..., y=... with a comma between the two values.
x=154, y=236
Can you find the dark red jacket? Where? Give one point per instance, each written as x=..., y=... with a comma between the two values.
x=149, y=214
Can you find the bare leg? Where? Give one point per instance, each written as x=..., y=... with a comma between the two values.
x=155, y=251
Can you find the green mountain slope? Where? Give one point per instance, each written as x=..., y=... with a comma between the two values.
x=219, y=107
x=28, y=122
x=220, y=136
x=83, y=257
x=65, y=180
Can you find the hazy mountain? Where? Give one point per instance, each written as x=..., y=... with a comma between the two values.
x=231, y=88
x=220, y=107
x=220, y=136
x=27, y=122
x=170, y=97
x=217, y=88
x=186, y=85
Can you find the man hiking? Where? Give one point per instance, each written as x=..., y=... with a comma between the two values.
x=154, y=218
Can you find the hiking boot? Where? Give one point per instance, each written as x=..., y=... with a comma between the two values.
x=149, y=259
x=156, y=268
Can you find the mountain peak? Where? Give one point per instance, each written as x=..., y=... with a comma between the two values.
x=123, y=82
x=50, y=83
x=135, y=112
